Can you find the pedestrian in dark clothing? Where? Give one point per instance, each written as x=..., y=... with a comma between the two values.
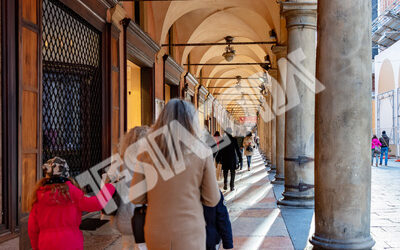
x=240, y=145
x=384, y=140
x=228, y=154
x=218, y=225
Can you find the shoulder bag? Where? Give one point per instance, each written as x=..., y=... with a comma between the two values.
x=138, y=221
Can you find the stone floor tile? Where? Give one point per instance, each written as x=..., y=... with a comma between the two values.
x=246, y=227
x=278, y=228
x=96, y=242
x=261, y=243
x=12, y=244
x=385, y=206
x=256, y=213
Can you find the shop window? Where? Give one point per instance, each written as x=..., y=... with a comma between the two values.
x=167, y=93
x=171, y=92
x=134, y=96
x=201, y=114
x=71, y=88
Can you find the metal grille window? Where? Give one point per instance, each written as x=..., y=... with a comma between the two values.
x=72, y=90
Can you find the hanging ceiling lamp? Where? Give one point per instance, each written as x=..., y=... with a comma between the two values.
x=229, y=53
x=264, y=80
x=238, y=83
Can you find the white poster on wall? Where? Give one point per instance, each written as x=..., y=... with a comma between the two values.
x=386, y=115
x=159, y=107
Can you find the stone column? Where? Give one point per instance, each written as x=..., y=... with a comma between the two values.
x=269, y=127
x=343, y=122
x=280, y=51
x=266, y=139
x=301, y=22
x=274, y=74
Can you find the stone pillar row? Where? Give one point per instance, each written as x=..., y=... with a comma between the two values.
x=301, y=22
x=280, y=52
x=267, y=126
x=274, y=74
x=339, y=115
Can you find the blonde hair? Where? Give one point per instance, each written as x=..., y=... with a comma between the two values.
x=132, y=136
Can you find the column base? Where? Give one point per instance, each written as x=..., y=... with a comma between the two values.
x=273, y=169
x=279, y=180
x=354, y=244
x=292, y=199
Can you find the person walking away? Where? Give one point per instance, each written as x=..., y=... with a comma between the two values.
x=218, y=226
x=248, y=145
x=384, y=140
x=174, y=217
x=126, y=210
x=240, y=139
x=57, y=206
x=228, y=156
x=375, y=144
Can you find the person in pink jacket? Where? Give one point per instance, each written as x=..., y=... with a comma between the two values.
x=57, y=205
x=375, y=144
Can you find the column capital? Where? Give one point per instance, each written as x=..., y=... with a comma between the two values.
x=279, y=51
x=300, y=14
x=117, y=13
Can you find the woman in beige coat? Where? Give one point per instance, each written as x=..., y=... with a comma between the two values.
x=174, y=218
x=248, y=145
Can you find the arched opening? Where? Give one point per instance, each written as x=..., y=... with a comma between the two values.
x=385, y=101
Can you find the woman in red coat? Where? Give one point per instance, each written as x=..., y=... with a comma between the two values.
x=57, y=208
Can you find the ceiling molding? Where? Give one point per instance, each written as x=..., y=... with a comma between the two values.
x=191, y=80
x=137, y=54
x=173, y=70
x=135, y=30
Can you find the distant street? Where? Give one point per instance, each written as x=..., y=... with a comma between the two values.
x=385, y=206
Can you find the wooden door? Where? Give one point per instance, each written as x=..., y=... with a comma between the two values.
x=29, y=98
x=29, y=108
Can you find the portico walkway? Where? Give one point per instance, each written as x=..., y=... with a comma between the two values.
x=256, y=220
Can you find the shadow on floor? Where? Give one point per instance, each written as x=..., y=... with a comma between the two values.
x=298, y=220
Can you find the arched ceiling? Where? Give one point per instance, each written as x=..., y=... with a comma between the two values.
x=205, y=21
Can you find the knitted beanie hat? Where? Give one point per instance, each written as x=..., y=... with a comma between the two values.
x=56, y=167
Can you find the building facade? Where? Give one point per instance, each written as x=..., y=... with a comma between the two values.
x=76, y=76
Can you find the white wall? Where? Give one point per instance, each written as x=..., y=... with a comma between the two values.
x=390, y=56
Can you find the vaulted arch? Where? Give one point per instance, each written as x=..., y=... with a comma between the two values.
x=268, y=10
